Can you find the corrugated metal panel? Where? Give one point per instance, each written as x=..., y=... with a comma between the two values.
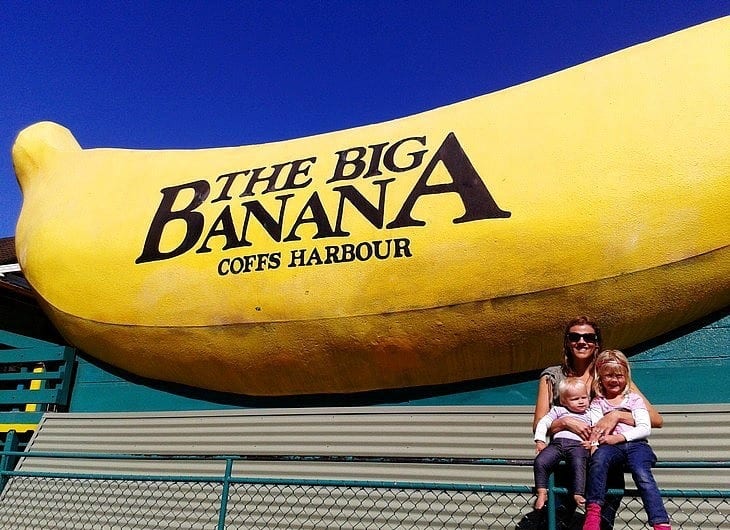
x=697, y=432
x=395, y=432
x=467, y=431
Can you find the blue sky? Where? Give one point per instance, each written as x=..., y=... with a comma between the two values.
x=203, y=74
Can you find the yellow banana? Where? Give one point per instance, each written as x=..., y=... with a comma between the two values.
x=441, y=247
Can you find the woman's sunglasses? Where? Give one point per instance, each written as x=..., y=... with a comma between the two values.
x=590, y=338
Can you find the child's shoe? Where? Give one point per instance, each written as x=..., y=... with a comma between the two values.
x=535, y=520
x=662, y=526
x=593, y=517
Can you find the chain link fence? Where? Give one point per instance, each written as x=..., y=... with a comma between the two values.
x=371, y=508
x=98, y=501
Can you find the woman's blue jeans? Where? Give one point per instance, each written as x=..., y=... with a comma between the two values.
x=639, y=458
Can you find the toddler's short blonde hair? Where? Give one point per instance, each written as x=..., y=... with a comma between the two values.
x=570, y=383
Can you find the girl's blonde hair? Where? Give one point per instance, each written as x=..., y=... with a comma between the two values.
x=607, y=358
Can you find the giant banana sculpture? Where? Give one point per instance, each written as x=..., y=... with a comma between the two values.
x=441, y=247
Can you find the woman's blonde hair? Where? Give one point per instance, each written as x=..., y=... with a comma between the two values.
x=606, y=358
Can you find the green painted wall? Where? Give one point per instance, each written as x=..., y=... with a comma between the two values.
x=687, y=366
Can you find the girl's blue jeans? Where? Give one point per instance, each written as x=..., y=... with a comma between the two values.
x=639, y=458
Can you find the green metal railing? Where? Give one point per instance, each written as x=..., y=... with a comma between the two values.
x=35, y=376
x=219, y=492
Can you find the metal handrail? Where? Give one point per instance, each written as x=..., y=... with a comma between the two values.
x=226, y=479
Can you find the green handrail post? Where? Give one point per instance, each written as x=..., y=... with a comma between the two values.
x=224, y=494
x=7, y=461
x=552, y=515
x=65, y=371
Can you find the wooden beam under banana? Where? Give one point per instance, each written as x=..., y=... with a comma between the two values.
x=445, y=246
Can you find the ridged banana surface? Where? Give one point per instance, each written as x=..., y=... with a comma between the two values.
x=441, y=247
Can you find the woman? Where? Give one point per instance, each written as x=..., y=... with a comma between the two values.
x=581, y=344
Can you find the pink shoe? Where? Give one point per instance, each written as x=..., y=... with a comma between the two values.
x=593, y=517
x=662, y=526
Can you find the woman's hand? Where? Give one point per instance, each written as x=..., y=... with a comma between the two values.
x=611, y=439
x=609, y=421
x=574, y=425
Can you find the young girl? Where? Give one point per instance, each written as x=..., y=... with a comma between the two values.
x=565, y=444
x=625, y=445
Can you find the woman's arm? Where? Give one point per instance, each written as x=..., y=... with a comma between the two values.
x=656, y=419
x=544, y=399
x=606, y=424
x=641, y=431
